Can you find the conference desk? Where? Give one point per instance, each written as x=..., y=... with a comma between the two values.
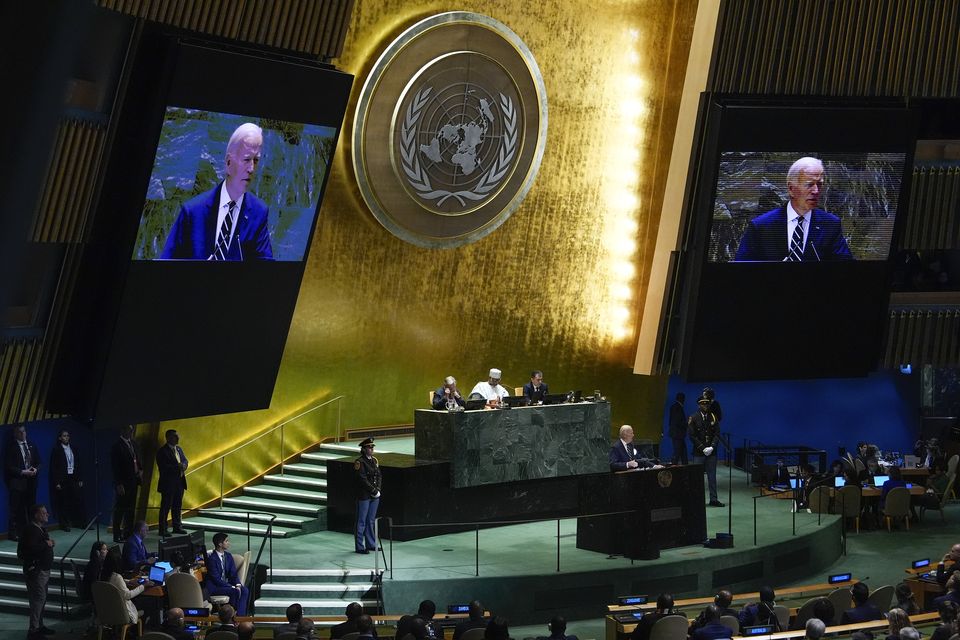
x=508, y=445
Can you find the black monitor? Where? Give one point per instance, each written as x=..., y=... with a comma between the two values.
x=172, y=544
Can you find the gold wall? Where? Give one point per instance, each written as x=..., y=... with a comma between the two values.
x=555, y=288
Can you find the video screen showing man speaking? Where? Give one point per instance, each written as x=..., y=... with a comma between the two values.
x=805, y=207
x=227, y=187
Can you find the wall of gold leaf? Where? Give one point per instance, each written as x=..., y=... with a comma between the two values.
x=555, y=288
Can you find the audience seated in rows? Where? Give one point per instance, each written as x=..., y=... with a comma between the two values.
x=365, y=627
x=353, y=612
x=760, y=612
x=897, y=619
x=423, y=616
x=474, y=620
x=862, y=611
x=305, y=629
x=723, y=600
x=664, y=608
x=497, y=629
x=905, y=599
x=953, y=591
x=294, y=616
x=711, y=629
x=948, y=620
x=558, y=630
x=173, y=625
x=815, y=629
x=228, y=620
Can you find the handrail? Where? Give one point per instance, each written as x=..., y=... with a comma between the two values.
x=389, y=565
x=63, y=559
x=265, y=433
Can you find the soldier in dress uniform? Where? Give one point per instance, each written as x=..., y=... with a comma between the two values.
x=368, y=496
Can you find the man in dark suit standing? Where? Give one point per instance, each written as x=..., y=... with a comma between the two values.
x=127, y=468
x=172, y=465
x=65, y=482
x=536, y=388
x=624, y=456
x=35, y=550
x=21, y=464
x=797, y=231
x=678, y=429
x=226, y=223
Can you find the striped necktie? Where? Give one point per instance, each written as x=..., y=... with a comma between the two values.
x=223, y=237
x=796, y=242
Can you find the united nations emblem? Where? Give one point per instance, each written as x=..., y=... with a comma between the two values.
x=448, y=142
x=665, y=478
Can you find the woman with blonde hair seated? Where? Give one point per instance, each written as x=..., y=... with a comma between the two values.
x=897, y=619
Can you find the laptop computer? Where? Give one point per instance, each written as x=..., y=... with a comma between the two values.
x=839, y=481
x=157, y=574
x=473, y=405
x=879, y=480
x=516, y=401
x=555, y=398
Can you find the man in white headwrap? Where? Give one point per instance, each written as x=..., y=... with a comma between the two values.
x=491, y=390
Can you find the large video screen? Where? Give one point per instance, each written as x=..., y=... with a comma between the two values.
x=777, y=206
x=233, y=187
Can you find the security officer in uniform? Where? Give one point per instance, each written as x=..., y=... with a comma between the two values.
x=704, y=432
x=368, y=496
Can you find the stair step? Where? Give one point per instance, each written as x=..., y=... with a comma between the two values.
x=50, y=607
x=321, y=457
x=311, y=470
x=295, y=481
x=297, y=590
x=316, y=574
x=268, y=491
x=227, y=526
x=15, y=572
x=281, y=520
x=10, y=557
x=14, y=589
x=272, y=505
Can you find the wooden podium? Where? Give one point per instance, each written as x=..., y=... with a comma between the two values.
x=665, y=508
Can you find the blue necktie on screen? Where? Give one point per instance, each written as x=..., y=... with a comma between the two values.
x=796, y=243
x=223, y=238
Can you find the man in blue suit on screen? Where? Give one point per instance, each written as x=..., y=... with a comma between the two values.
x=227, y=222
x=798, y=231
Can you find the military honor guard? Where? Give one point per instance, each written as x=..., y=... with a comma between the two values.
x=368, y=496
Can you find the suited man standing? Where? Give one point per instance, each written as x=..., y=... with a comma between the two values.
x=172, y=465
x=36, y=551
x=65, y=482
x=704, y=431
x=797, y=231
x=624, y=456
x=125, y=461
x=227, y=222
x=677, y=429
x=21, y=464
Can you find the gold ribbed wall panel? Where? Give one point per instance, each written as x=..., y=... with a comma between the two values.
x=372, y=320
x=317, y=27
x=19, y=369
x=70, y=182
x=839, y=48
x=928, y=336
x=933, y=213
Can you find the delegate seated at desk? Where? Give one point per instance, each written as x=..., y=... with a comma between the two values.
x=536, y=389
x=624, y=456
x=447, y=396
x=491, y=390
x=135, y=553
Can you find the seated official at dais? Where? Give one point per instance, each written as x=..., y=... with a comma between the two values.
x=491, y=390
x=447, y=396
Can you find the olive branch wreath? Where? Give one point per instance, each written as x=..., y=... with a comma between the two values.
x=417, y=176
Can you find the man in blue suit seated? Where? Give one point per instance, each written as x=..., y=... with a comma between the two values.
x=798, y=231
x=135, y=551
x=536, y=388
x=222, y=579
x=624, y=456
x=227, y=222
x=862, y=611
